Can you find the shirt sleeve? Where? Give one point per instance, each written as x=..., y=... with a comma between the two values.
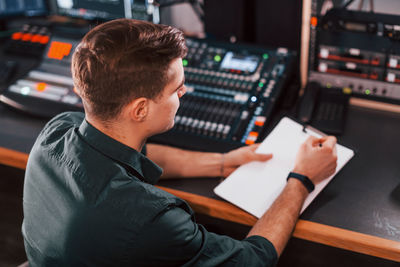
x=174, y=239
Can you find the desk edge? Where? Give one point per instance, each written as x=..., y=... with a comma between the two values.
x=13, y=158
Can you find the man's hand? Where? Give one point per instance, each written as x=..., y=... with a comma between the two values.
x=233, y=159
x=317, y=158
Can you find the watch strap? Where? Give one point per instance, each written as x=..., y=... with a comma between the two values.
x=303, y=179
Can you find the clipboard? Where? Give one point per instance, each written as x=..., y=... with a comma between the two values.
x=254, y=186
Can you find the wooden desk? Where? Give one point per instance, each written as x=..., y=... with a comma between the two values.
x=339, y=216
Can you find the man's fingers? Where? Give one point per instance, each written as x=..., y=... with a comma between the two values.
x=330, y=141
x=257, y=156
x=262, y=157
x=311, y=140
x=334, y=151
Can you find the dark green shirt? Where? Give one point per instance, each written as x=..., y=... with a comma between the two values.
x=90, y=201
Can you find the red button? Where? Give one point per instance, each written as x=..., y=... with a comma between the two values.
x=16, y=35
x=36, y=38
x=44, y=39
x=26, y=37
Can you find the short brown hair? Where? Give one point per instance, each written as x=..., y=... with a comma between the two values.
x=121, y=60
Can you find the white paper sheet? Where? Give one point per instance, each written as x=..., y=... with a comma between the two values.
x=254, y=186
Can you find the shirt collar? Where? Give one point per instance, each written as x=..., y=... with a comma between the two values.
x=121, y=153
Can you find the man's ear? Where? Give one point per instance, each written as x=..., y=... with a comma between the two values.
x=76, y=91
x=138, y=109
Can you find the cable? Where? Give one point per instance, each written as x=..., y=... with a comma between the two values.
x=347, y=4
x=198, y=9
x=196, y=6
x=360, y=5
x=166, y=3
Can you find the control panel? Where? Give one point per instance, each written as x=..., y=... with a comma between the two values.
x=48, y=89
x=355, y=51
x=30, y=40
x=232, y=91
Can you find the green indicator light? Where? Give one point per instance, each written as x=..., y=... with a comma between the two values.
x=265, y=56
x=25, y=90
x=217, y=58
x=260, y=84
x=185, y=62
x=328, y=85
x=367, y=92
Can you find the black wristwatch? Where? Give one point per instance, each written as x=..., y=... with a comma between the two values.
x=304, y=180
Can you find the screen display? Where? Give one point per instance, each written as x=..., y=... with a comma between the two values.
x=22, y=7
x=59, y=50
x=94, y=9
x=234, y=61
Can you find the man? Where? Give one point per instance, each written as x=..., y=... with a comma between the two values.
x=89, y=198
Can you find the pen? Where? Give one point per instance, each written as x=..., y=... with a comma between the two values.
x=312, y=129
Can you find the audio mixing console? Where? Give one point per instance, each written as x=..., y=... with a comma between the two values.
x=232, y=91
